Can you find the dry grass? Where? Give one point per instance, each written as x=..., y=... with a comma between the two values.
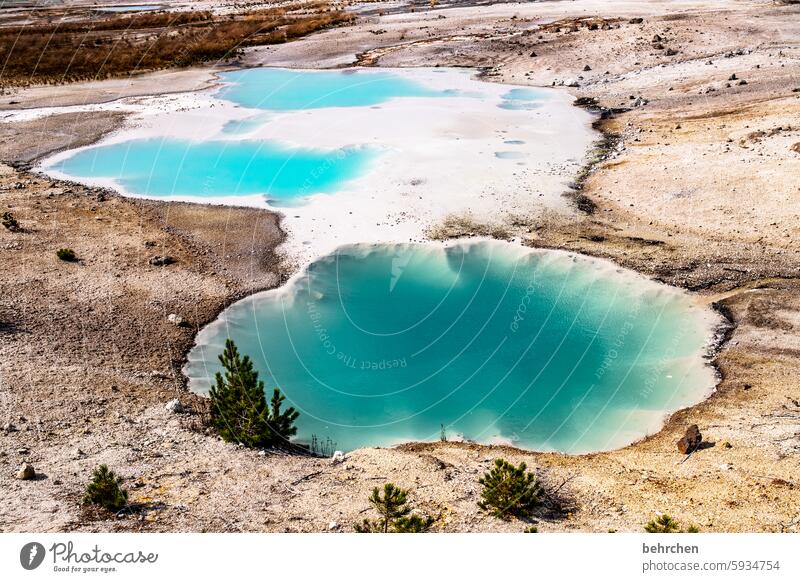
x=59, y=52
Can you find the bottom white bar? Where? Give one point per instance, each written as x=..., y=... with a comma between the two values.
x=424, y=557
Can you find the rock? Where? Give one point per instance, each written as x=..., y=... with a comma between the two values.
x=733, y=77
x=636, y=21
x=8, y=427
x=174, y=406
x=690, y=440
x=333, y=526
x=160, y=261
x=26, y=473
x=533, y=54
x=337, y=457
x=795, y=148
x=726, y=445
x=670, y=52
x=587, y=68
x=175, y=319
x=22, y=451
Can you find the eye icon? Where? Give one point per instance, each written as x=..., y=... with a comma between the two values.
x=31, y=555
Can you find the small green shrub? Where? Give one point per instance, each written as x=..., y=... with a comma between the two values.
x=665, y=524
x=395, y=513
x=531, y=529
x=105, y=490
x=7, y=219
x=66, y=254
x=239, y=409
x=509, y=490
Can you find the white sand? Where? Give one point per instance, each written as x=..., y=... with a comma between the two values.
x=438, y=156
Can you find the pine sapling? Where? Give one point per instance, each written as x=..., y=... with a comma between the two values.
x=395, y=513
x=7, y=220
x=239, y=409
x=105, y=489
x=662, y=524
x=665, y=524
x=509, y=491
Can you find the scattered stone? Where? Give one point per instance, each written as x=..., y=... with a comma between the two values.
x=795, y=148
x=333, y=526
x=726, y=445
x=670, y=52
x=174, y=406
x=587, y=68
x=338, y=457
x=26, y=473
x=160, y=261
x=8, y=427
x=22, y=451
x=743, y=82
x=690, y=440
x=636, y=21
x=175, y=319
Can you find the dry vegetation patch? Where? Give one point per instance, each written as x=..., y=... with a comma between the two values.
x=63, y=51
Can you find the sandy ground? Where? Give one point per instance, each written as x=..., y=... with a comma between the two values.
x=700, y=191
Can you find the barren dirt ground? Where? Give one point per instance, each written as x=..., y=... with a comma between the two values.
x=700, y=188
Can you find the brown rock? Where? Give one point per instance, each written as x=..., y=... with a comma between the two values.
x=159, y=261
x=26, y=473
x=691, y=440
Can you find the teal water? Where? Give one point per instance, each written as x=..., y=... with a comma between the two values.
x=286, y=89
x=130, y=8
x=168, y=167
x=523, y=98
x=231, y=167
x=378, y=344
